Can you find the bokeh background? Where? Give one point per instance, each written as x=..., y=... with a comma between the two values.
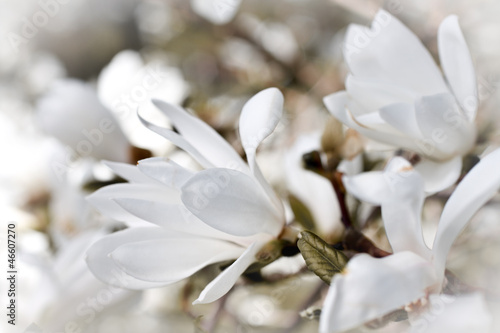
x=64, y=64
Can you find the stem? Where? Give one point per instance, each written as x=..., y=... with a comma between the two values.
x=335, y=180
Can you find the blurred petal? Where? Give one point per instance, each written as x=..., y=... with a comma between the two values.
x=439, y=175
x=258, y=119
x=226, y=280
x=369, y=288
x=391, y=53
x=457, y=65
x=106, y=270
x=232, y=202
x=172, y=259
x=103, y=200
x=129, y=172
x=216, y=11
x=457, y=314
x=165, y=171
x=477, y=187
x=203, y=137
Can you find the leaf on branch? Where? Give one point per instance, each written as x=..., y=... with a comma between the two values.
x=321, y=258
x=302, y=214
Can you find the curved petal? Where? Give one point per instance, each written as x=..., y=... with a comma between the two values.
x=439, y=175
x=165, y=171
x=216, y=11
x=203, y=137
x=158, y=260
x=457, y=314
x=103, y=200
x=179, y=141
x=226, y=280
x=391, y=53
x=457, y=65
x=106, y=270
x=478, y=186
x=259, y=117
x=402, y=117
x=232, y=202
x=369, y=288
x=446, y=129
x=400, y=192
x=129, y=172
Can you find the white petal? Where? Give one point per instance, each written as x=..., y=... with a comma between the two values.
x=402, y=117
x=226, y=280
x=165, y=171
x=446, y=129
x=373, y=94
x=439, y=175
x=258, y=119
x=103, y=200
x=179, y=141
x=172, y=259
x=400, y=192
x=478, y=186
x=369, y=288
x=216, y=11
x=201, y=136
x=391, y=53
x=106, y=270
x=172, y=216
x=129, y=172
x=457, y=65
x=457, y=314
x=232, y=202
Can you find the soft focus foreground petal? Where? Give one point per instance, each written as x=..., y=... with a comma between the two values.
x=172, y=259
x=106, y=270
x=179, y=141
x=446, y=129
x=226, y=280
x=400, y=192
x=203, y=137
x=477, y=187
x=129, y=172
x=232, y=202
x=165, y=171
x=313, y=190
x=457, y=65
x=259, y=117
x=369, y=288
x=373, y=94
x=216, y=11
x=391, y=53
x=103, y=200
x=457, y=314
x=439, y=175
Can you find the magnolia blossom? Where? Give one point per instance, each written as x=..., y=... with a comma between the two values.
x=216, y=11
x=182, y=220
x=395, y=94
x=370, y=288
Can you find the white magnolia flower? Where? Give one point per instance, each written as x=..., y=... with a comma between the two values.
x=181, y=220
x=370, y=288
x=395, y=94
x=72, y=113
x=216, y=11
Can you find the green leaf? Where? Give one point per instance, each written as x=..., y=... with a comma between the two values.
x=321, y=258
x=302, y=214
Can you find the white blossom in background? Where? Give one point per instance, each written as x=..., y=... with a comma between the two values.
x=395, y=94
x=216, y=11
x=71, y=112
x=181, y=220
x=128, y=83
x=370, y=288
